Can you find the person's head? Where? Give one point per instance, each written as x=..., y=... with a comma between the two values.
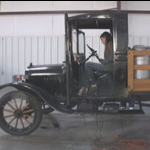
x=106, y=38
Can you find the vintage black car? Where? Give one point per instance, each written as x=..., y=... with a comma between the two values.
x=54, y=87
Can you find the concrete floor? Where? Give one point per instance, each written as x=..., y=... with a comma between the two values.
x=78, y=132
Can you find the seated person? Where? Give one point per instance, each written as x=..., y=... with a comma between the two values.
x=105, y=64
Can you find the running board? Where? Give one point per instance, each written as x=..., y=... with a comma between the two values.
x=121, y=112
x=107, y=108
x=132, y=112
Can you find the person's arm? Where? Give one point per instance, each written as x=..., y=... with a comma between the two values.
x=111, y=54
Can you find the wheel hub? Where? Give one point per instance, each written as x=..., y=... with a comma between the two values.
x=18, y=114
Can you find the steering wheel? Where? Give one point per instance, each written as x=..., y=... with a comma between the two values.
x=94, y=52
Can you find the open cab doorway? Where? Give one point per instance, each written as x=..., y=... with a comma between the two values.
x=76, y=30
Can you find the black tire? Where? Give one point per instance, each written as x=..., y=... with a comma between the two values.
x=24, y=108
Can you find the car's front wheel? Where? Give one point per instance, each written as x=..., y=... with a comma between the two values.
x=20, y=113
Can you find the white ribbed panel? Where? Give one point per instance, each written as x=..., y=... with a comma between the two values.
x=16, y=53
x=139, y=41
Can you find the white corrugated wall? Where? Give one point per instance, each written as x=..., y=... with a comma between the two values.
x=40, y=38
x=16, y=53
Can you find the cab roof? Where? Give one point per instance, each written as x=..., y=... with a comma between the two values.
x=96, y=21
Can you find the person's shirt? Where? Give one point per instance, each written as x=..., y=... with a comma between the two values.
x=108, y=57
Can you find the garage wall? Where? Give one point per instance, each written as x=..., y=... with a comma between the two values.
x=32, y=25
x=135, y=5
x=71, y=5
x=139, y=25
x=47, y=25
x=40, y=38
x=56, y=5
x=16, y=53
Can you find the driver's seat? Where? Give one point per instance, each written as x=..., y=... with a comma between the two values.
x=104, y=81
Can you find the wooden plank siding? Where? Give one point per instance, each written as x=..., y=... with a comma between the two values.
x=137, y=85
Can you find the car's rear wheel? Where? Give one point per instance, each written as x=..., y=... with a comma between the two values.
x=20, y=113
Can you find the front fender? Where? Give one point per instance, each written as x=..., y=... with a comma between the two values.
x=39, y=94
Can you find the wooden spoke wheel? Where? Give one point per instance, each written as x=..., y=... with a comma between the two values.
x=20, y=113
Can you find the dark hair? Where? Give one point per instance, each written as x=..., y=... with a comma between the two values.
x=108, y=37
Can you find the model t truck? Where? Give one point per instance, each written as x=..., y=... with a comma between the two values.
x=54, y=87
